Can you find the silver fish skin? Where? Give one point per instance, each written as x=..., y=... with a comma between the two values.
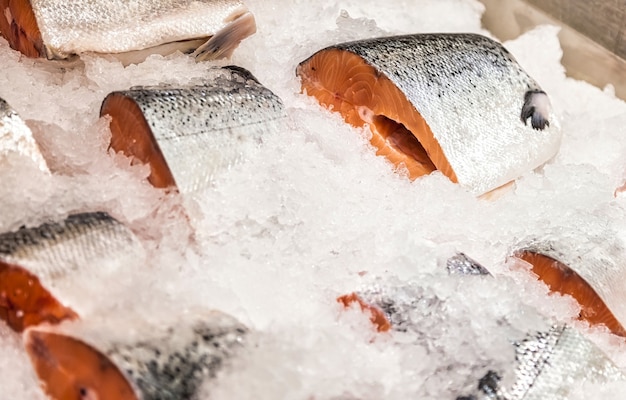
x=594, y=252
x=165, y=361
x=215, y=27
x=16, y=137
x=81, y=243
x=547, y=364
x=202, y=130
x=492, y=121
x=461, y=264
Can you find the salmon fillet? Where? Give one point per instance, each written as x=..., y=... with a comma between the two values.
x=562, y=279
x=457, y=103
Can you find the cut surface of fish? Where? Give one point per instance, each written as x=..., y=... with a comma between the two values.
x=60, y=29
x=592, y=276
x=188, y=134
x=16, y=137
x=148, y=363
x=458, y=103
x=43, y=268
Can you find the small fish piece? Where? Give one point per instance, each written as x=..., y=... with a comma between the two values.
x=189, y=134
x=58, y=29
x=547, y=364
x=458, y=103
x=16, y=137
x=42, y=269
x=587, y=266
x=132, y=359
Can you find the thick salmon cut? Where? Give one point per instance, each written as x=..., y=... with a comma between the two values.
x=45, y=270
x=457, y=103
x=189, y=134
x=562, y=279
x=132, y=358
x=59, y=30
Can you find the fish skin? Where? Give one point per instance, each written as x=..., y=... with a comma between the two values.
x=204, y=129
x=111, y=26
x=461, y=264
x=164, y=360
x=80, y=242
x=547, y=363
x=16, y=137
x=474, y=97
x=594, y=252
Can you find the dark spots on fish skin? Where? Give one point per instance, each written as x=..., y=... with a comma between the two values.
x=489, y=383
x=530, y=109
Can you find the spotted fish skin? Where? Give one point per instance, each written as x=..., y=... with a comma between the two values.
x=461, y=264
x=168, y=368
x=547, y=363
x=81, y=241
x=204, y=129
x=16, y=137
x=110, y=26
x=492, y=121
x=161, y=360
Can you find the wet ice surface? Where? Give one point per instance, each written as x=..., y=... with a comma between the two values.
x=315, y=214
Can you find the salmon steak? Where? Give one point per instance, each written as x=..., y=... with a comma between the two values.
x=132, y=359
x=43, y=269
x=457, y=103
x=58, y=30
x=590, y=270
x=544, y=362
x=189, y=134
x=16, y=137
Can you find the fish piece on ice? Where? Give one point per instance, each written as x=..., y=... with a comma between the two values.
x=458, y=103
x=131, y=358
x=16, y=137
x=58, y=29
x=589, y=267
x=189, y=134
x=43, y=270
x=545, y=364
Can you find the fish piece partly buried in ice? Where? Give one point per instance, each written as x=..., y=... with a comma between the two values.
x=16, y=137
x=458, y=103
x=131, y=358
x=45, y=270
x=544, y=363
x=58, y=29
x=589, y=266
x=548, y=363
x=189, y=134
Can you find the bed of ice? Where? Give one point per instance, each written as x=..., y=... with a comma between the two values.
x=315, y=214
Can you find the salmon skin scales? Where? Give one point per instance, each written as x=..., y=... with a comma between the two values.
x=48, y=272
x=546, y=362
x=191, y=133
x=80, y=241
x=16, y=137
x=488, y=122
x=208, y=28
x=147, y=361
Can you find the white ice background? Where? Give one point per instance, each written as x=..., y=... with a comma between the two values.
x=315, y=214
